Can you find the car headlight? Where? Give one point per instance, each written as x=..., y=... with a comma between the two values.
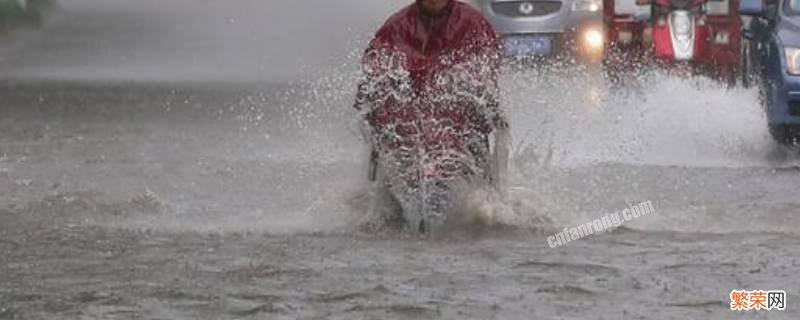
x=587, y=5
x=594, y=39
x=793, y=61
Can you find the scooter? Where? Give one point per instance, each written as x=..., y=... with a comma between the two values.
x=429, y=129
x=679, y=31
x=424, y=164
x=681, y=36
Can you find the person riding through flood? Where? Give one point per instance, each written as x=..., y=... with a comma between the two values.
x=430, y=98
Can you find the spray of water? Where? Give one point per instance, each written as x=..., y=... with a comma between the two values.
x=581, y=149
x=571, y=125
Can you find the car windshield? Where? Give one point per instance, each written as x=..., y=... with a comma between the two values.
x=793, y=7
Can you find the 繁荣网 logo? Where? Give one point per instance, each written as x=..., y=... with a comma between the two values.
x=742, y=300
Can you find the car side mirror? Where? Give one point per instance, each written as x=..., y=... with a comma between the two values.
x=753, y=8
x=748, y=34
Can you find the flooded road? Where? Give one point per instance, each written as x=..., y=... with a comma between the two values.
x=100, y=273
x=136, y=183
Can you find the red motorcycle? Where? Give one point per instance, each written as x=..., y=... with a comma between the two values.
x=679, y=30
x=425, y=148
x=687, y=36
x=423, y=164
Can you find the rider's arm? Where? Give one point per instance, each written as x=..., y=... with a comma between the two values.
x=502, y=139
x=502, y=142
x=496, y=116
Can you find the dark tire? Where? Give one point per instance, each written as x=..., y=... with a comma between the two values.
x=384, y=209
x=746, y=68
x=786, y=135
x=778, y=155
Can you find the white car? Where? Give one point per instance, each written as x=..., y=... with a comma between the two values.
x=531, y=28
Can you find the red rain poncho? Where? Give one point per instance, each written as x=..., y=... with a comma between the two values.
x=432, y=73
